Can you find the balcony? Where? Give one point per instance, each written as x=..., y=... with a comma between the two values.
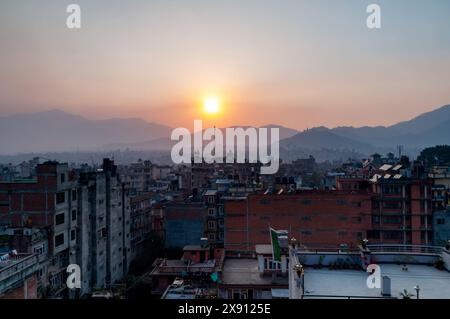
x=16, y=269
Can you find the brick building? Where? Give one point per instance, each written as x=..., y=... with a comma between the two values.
x=402, y=206
x=36, y=214
x=314, y=218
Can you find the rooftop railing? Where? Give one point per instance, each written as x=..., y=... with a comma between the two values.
x=412, y=249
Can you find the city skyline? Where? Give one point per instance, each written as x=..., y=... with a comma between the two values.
x=266, y=61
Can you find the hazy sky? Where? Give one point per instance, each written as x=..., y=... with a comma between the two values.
x=296, y=63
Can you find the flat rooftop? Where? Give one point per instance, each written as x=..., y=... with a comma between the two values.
x=433, y=283
x=244, y=271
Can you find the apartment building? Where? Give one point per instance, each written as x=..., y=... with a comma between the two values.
x=214, y=222
x=36, y=214
x=402, y=207
x=104, y=228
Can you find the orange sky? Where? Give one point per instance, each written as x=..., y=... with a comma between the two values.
x=294, y=63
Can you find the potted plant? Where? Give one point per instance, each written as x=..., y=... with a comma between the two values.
x=298, y=269
x=321, y=258
x=439, y=264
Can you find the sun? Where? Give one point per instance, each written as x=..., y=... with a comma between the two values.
x=211, y=105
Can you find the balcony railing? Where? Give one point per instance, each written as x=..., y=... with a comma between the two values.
x=17, y=268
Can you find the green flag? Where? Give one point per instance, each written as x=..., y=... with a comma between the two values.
x=276, y=250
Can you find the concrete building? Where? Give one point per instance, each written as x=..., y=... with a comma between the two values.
x=259, y=277
x=104, y=229
x=441, y=227
x=403, y=272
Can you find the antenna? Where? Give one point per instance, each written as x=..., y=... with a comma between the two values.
x=400, y=150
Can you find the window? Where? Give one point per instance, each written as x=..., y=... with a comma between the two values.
x=74, y=214
x=212, y=236
x=73, y=235
x=392, y=204
x=63, y=178
x=374, y=234
x=211, y=212
x=40, y=273
x=392, y=220
x=60, y=198
x=39, y=250
x=392, y=235
x=392, y=189
x=270, y=264
x=375, y=219
x=356, y=204
x=211, y=224
x=59, y=219
x=74, y=194
x=242, y=294
x=59, y=240
x=440, y=221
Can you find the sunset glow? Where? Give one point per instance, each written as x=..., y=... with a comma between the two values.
x=211, y=105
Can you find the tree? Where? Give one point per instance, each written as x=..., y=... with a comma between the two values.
x=438, y=155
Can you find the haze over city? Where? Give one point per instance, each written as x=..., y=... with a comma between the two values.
x=265, y=60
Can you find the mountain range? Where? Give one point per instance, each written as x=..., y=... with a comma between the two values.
x=58, y=131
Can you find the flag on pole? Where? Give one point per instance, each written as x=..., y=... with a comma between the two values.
x=276, y=250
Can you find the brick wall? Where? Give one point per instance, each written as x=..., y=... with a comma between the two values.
x=319, y=219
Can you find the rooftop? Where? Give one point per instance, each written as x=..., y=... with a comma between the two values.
x=263, y=249
x=245, y=272
x=180, y=289
x=433, y=283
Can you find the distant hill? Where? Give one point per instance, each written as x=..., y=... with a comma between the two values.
x=320, y=138
x=54, y=131
x=164, y=143
x=58, y=131
x=424, y=130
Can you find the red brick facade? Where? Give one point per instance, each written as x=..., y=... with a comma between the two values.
x=314, y=218
x=29, y=203
x=28, y=290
